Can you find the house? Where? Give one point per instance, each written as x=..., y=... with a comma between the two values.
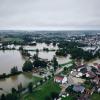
x=79, y=74
x=78, y=88
x=97, y=66
x=60, y=79
x=80, y=67
x=98, y=90
x=90, y=74
x=96, y=80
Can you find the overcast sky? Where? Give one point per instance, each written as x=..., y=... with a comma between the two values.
x=49, y=14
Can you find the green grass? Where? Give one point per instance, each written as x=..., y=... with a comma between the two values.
x=68, y=98
x=88, y=85
x=42, y=91
x=70, y=62
x=35, y=79
x=12, y=39
x=95, y=96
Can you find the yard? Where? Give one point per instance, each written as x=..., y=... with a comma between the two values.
x=95, y=96
x=42, y=91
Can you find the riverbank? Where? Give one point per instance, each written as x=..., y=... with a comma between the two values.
x=4, y=75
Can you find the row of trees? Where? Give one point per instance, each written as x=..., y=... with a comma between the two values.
x=14, y=71
x=14, y=95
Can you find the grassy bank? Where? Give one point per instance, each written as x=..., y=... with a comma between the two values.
x=42, y=91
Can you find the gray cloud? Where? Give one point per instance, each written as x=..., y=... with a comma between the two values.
x=40, y=14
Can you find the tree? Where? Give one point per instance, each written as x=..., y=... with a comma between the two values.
x=27, y=66
x=37, y=51
x=45, y=49
x=55, y=63
x=48, y=98
x=3, y=97
x=54, y=95
x=61, y=52
x=25, y=53
x=30, y=87
x=21, y=48
x=39, y=63
x=14, y=70
x=41, y=81
x=35, y=57
x=20, y=87
x=12, y=96
x=14, y=91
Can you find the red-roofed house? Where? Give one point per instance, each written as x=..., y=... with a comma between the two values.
x=60, y=79
x=90, y=74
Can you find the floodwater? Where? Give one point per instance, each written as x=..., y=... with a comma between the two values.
x=11, y=58
x=13, y=81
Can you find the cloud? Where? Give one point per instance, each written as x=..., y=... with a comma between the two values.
x=49, y=13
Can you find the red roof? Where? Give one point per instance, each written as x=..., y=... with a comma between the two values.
x=95, y=64
x=98, y=66
x=91, y=74
x=59, y=78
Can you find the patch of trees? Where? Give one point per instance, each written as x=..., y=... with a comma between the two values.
x=30, y=87
x=14, y=95
x=27, y=38
x=55, y=63
x=45, y=49
x=76, y=52
x=24, y=52
x=61, y=52
x=14, y=71
x=10, y=96
x=67, y=44
x=54, y=43
x=39, y=63
x=27, y=66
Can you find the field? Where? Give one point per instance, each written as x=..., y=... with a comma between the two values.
x=12, y=39
x=42, y=91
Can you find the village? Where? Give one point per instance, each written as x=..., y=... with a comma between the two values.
x=82, y=80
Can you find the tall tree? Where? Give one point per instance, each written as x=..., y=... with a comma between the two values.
x=55, y=63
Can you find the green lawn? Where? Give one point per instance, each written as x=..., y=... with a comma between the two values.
x=95, y=96
x=42, y=91
x=68, y=98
